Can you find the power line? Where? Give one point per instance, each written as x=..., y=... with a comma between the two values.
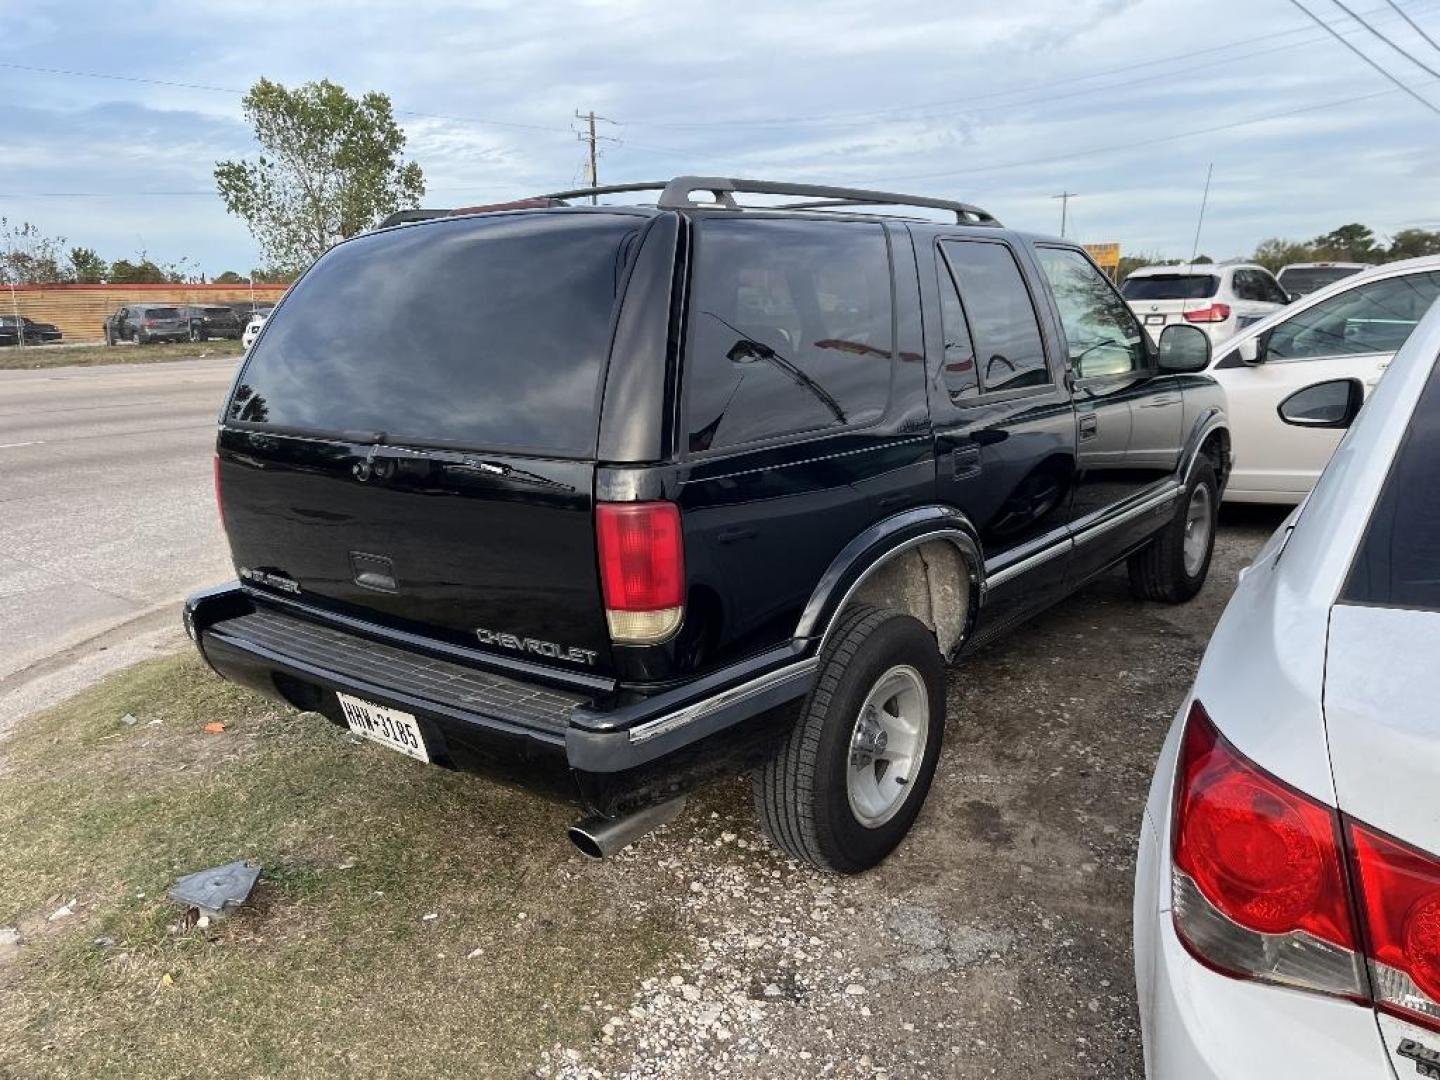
x=1383, y=71
x=1418, y=63
x=920, y=106
x=1137, y=143
x=1413, y=24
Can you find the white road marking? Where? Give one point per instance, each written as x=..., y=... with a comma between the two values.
x=12, y=445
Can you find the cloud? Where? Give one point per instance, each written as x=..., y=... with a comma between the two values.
x=1003, y=105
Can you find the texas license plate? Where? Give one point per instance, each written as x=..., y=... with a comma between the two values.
x=1154, y=320
x=388, y=727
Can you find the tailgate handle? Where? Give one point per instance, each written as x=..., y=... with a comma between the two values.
x=731, y=536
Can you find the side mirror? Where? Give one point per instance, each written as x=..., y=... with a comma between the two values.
x=1252, y=350
x=1183, y=350
x=1293, y=296
x=1331, y=404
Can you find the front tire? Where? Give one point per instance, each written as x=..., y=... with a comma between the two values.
x=1172, y=568
x=851, y=776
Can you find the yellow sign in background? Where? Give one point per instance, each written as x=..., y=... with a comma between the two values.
x=1106, y=255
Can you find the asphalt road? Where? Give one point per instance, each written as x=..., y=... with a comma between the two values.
x=106, y=512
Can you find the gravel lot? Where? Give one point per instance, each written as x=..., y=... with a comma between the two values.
x=997, y=941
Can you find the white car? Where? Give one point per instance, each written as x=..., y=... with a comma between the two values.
x=1287, y=890
x=252, y=330
x=1348, y=329
x=1301, y=279
x=1221, y=300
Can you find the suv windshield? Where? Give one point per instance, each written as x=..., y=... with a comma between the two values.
x=487, y=332
x=1170, y=287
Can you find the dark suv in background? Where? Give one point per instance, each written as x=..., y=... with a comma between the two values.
x=145, y=323
x=214, y=321
x=622, y=498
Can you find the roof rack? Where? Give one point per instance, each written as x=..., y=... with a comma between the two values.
x=675, y=195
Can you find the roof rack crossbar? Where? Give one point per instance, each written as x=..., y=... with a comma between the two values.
x=675, y=195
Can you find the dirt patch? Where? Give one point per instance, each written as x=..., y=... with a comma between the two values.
x=49, y=356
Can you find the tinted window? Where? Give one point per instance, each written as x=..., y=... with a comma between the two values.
x=790, y=329
x=1370, y=318
x=1170, y=287
x=481, y=332
x=1100, y=331
x=162, y=313
x=1270, y=288
x=1009, y=351
x=1399, y=558
x=1309, y=280
x=961, y=377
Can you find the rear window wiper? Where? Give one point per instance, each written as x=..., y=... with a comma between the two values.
x=455, y=459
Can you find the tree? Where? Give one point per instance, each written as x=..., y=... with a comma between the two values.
x=1275, y=253
x=1130, y=263
x=144, y=272
x=329, y=166
x=230, y=277
x=29, y=257
x=86, y=267
x=1348, y=243
x=1411, y=243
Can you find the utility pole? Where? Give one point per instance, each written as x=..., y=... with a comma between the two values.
x=589, y=136
x=1064, y=197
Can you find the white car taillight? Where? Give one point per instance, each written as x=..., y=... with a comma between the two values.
x=1259, y=883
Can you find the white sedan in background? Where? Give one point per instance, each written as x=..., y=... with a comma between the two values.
x=1346, y=330
x=1221, y=300
x=1287, y=891
x=252, y=330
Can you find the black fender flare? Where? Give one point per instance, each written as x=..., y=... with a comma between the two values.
x=1206, y=424
x=877, y=545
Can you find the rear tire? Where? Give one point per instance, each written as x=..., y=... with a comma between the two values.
x=851, y=776
x=1172, y=568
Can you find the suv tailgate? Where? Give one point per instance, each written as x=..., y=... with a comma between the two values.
x=412, y=438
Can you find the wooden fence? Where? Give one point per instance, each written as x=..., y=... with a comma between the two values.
x=80, y=310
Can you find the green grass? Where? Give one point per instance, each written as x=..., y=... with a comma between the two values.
x=48, y=356
x=329, y=971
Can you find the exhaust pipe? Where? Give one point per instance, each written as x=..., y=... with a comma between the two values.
x=598, y=837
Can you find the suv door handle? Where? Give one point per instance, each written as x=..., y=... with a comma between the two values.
x=966, y=463
x=1159, y=402
x=1089, y=426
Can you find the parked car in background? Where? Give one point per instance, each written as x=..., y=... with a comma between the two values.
x=1221, y=300
x=1301, y=279
x=146, y=323
x=1347, y=330
x=12, y=328
x=1287, y=887
x=252, y=329
x=213, y=321
x=244, y=312
x=506, y=535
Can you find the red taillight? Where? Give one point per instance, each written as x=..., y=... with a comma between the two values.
x=1398, y=889
x=642, y=569
x=1213, y=313
x=219, y=502
x=150, y=324
x=1259, y=880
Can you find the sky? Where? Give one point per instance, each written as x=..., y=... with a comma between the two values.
x=1127, y=103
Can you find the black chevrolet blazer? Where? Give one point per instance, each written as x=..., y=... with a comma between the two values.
x=616, y=499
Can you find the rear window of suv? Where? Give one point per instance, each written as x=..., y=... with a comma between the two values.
x=791, y=329
x=1170, y=287
x=483, y=333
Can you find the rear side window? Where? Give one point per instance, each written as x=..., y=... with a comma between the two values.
x=485, y=332
x=1170, y=287
x=1009, y=351
x=1373, y=318
x=162, y=313
x=1398, y=564
x=790, y=329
